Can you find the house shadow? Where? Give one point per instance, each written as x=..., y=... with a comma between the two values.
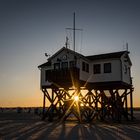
x=35, y=129
x=100, y=132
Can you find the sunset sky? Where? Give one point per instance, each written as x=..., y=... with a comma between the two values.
x=30, y=28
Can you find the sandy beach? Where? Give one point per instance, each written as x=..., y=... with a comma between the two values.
x=28, y=126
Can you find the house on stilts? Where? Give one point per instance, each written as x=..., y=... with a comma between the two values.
x=101, y=85
x=87, y=87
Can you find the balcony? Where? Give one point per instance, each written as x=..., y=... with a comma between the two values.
x=62, y=76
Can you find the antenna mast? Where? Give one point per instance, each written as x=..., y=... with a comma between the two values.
x=74, y=31
x=127, y=46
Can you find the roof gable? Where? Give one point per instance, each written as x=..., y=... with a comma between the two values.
x=45, y=64
x=58, y=52
x=68, y=50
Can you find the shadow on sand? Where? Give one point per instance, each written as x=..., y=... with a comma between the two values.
x=29, y=126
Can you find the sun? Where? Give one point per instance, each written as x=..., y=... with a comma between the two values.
x=76, y=98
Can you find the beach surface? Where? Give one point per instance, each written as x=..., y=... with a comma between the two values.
x=28, y=126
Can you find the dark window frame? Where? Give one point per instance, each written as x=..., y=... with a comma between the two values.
x=55, y=66
x=46, y=75
x=107, y=67
x=125, y=69
x=83, y=66
x=97, y=68
x=63, y=66
x=87, y=67
x=72, y=64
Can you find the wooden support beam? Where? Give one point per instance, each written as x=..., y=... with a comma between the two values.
x=44, y=103
x=96, y=104
x=126, y=106
x=131, y=104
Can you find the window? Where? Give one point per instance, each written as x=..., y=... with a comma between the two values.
x=96, y=68
x=46, y=75
x=87, y=67
x=64, y=65
x=125, y=69
x=83, y=66
x=72, y=64
x=107, y=67
x=56, y=66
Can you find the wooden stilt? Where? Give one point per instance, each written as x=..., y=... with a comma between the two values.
x=44, y=102
x=126, y=106
x=131, y=104
x=96, y=104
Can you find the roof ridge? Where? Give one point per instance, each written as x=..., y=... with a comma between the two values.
x=107, y=53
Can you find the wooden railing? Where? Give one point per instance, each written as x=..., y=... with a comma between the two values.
x=62, y=75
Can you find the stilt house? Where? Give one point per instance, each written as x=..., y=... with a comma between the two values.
x=67, y=68
x=105, y=77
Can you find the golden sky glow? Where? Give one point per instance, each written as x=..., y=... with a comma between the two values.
x=29, y=29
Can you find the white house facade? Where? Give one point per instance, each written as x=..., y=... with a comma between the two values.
x=66, y=65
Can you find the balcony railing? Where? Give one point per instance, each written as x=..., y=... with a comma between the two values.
x=62, y=75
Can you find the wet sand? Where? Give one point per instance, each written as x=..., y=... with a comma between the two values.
x=28, y=126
